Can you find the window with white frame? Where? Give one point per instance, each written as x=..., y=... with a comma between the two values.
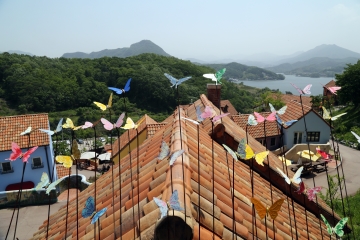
x=37, y=163
x=6, y=167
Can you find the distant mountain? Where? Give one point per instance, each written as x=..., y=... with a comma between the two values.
x=323, y=51
x=237, y=71
x=19, y=52
x=314, y=67
x=144, y=46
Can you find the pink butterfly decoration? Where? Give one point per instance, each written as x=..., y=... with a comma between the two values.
x=312, y=191
x=208, y=112
x=269, y=118
x=306, y=89
x=109, y=126
x=334, y=89
x=17, y=153
x=219, y=116
x=324, y=154
x=301, y=188
x=87, y=125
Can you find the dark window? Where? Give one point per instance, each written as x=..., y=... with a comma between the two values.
x=37, y=163
x=313, y=137
x=297, y=137
x=272, y=141
x=6, y=167
x=262, y=141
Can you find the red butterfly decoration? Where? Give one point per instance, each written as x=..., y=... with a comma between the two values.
x=324, y=154
x=301, y=188
x=17, y=153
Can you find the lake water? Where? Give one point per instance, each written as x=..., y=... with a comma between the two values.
x=284, y=85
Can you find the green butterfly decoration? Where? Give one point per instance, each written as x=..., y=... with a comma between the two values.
x=219, y=74
x=338, y=229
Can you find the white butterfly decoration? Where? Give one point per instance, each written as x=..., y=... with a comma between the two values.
x=295, y=179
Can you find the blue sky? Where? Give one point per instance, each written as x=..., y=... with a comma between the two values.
x=185, y=29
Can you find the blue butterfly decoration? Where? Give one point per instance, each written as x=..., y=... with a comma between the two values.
x=176, y=82
x=173, y=203
x=165, y=151
x=241, y=149
x=120, y=91
x=90, y=211
x=198, y=114
x=288, y=123
x=175, y=155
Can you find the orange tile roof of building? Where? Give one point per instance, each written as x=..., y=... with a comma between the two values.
x=204, y=171
x=62, y=171
x=229, y=107
x=12, y=126
x=332, y=83
x=290, y=98
x=258, y=130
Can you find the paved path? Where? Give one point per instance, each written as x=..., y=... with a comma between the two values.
x=351, y=167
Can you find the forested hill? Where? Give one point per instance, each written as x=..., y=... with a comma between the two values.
x=237, y=71
x=144, y=46
x=41, y=84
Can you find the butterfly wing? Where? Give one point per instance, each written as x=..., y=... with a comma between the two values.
x=289, y=123
x=193, y=121
x=271, y=117
x=301, y=188
x=298, y=89
x=89, y=207
x=120, y=120
x=219, y=116
x=326, y=114
x=116, y=90
x=251, y=120
x=337, y=116
x=287, y=179
x=68, y=124
x=107, y=125
x=98, y=215
x=259, y=118
x=26, y=155
x=87, y=125
x=65, y=160
x=162, y=205
x=110, y=101
x=43, y=181
x=175, y=155
x=75, y=152
x=59, y=126
x=100, y=105
x=328, y=226
x=272, y=109
x=232, y=153
x=27, y=131
x=278, y=119
x=198, y=114
x=334, y=89
x=259, y=207
x=16, y=152
x=181, y=80
x=260, y=157
x=129, y=124
x=357, y=136
x=338, y=229
x=211, y=76
x=208, y=112
x=127, y=85
x=275, y=208
x=174, y=201
x=306, y=89
x=312, y=191
x=241, y=150
x=249, y=152
x=48, y=132
x=219, y=74
x=297, y=176
x=282, y=110
x=165, y=151
x=52, y=186
x=171, y=78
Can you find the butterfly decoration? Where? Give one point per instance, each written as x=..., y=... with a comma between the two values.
x=175, y=155
x=176, y=82
x=109, y=126
x=357, y=136
x=232, y=153
x=52, y=186
x=58, y=129
x=288, y=123
x=87, y=125
x=326, y=115
x=130, y=124
x=90, y=211
x=301, y=188
x=165, y=151
x=312, y=192
x=208, y=113
x=67, y=161
x=193, y=121
x=69, y=124
x=241, y=150
x=295, y=179
x=323, y=154
x=306, y=89
x=273, y=210
x=173, y=203
x=44, y=182
x=251, y=120
x=103, y=106
x=259, y=157
x=333, y=90
x=217, y=76
x=27, y=131
x=198, y=114
x=17, y=153
x=217, y=117
x=338, y=229
x=269, y=118
x=281, y=111
x=121, y=91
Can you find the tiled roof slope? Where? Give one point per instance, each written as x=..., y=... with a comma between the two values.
x=12, y=126
x=230, y=108
x=62, y=171
x=258, y=130
x=332, y=83
x=231, y=214
x=286, y=98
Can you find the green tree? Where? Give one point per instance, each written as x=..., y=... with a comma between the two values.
x=349, y=81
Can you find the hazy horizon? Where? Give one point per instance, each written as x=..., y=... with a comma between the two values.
x=186, y=29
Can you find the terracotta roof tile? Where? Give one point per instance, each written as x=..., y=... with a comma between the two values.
x=216, y=189
x=286, y=98
x=226, y=105
x=62, y=171
x=332, y=83
x=12, y=126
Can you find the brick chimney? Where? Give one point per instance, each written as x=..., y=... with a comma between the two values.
x=214, y=94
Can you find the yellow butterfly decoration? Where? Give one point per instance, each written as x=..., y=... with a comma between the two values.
x=259, y=157
x=67, y=161
x=103, y=106
x=69, y=124
x=326, y=115
x=131, y=125
x=273, y=210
